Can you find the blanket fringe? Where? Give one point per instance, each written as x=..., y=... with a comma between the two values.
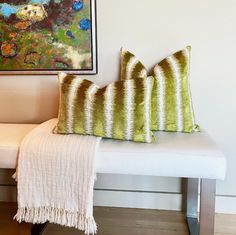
x=41, y=215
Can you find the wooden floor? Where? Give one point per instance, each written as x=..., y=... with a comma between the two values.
x=120, y=221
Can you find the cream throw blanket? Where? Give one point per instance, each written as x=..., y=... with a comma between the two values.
x=55, y=177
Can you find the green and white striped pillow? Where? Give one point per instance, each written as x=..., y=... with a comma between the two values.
x=121, y=110
x=172, y=108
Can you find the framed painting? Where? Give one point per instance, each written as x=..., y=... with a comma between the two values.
x=48, y=36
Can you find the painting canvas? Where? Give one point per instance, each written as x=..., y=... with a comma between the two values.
x=47, y=36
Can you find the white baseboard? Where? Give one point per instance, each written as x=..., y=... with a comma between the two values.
x=161, y=201
x=145, y=200
x=226, y=204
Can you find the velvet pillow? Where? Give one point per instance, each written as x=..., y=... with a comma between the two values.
x=120, y=110
x=172, y=108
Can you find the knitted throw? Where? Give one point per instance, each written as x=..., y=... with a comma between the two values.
x=55, y=176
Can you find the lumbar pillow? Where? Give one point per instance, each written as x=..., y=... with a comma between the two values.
x=120, y=110
x=171, y=98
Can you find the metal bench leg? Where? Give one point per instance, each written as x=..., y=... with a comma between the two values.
x=38, y=229
x=192, y=206
x=207, y=207
x=205, y=226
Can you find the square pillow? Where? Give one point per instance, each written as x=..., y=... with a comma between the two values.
x=172, y=108
x=120, y=110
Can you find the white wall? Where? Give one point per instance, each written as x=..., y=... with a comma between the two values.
x=153, y=29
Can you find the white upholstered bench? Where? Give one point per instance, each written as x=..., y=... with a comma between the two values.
x=192, y=156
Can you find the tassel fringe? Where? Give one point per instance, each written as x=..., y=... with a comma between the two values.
x=41, y=215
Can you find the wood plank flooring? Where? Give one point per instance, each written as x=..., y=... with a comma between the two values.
x=120, y=221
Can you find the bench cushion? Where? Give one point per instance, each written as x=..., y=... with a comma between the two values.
x=174, y=155
x=190, y=155
x=10, y=138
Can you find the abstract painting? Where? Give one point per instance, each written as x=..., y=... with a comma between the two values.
x=48, y=36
